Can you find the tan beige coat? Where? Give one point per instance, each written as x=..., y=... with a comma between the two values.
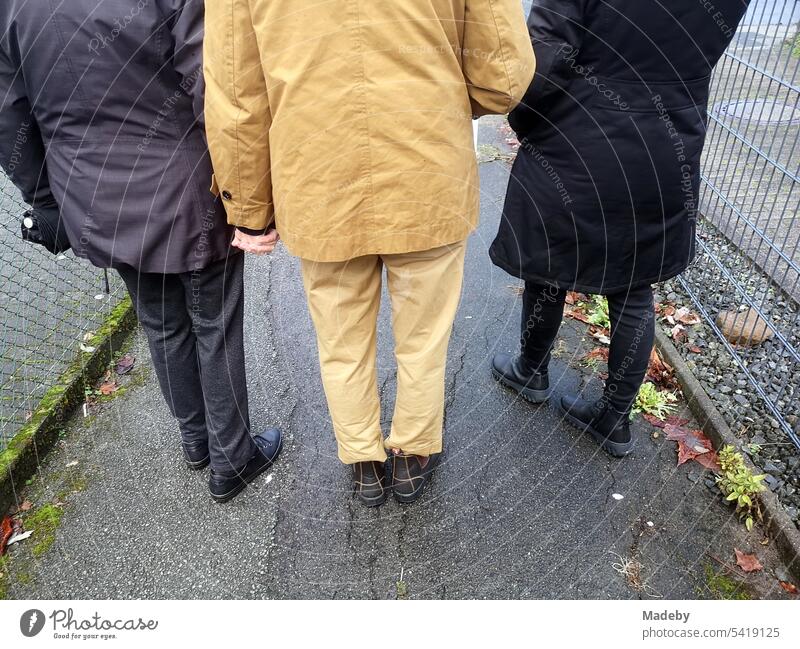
x=349, y=121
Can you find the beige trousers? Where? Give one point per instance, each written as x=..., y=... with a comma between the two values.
x=344, y=298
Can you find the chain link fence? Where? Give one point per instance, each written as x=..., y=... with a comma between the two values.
x=47, y=305
x=747, y=274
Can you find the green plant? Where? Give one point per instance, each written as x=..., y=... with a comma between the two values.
x=44, y=522
x=653, y=401
x=738, y=484
x=597, y=311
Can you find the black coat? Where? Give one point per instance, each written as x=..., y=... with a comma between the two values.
x=99, y=107
x=603, y=193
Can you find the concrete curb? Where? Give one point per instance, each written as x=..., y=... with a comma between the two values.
x=778, y=524
x=21, y=458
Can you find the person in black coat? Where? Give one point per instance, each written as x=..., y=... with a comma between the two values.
x=603, y=193
x=101, y=122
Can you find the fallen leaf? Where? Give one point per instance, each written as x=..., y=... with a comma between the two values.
x=686, y=316
x=693, y=445
x=660, y=372
x=109, y=387
x=573, y=297
x=694, y=349
x=6, y=530
x=660, y=423
x=601, y=334
x=598, y=353
x=747, y=562
x=577, y=314
x=678, y=333
x=125, y=364
x=25, y=506
x=788, y=587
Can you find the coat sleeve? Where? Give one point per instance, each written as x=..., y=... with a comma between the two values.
x=557, y=32
x=186, y=25
x=238, y=116
x=22, y=151
x=497, y=57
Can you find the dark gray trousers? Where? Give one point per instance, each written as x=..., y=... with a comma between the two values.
x=194, y=325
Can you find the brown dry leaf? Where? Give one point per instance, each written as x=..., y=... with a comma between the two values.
x=686, y=316
x=601, y=334
x=598, y=353
x=747, y=562
x=25, y=506
x=694, y=349
x=788, y=587
x=660, y=423
x=577, y=314
x=125, y=364
x=693, y=445
x=109, y=387
x=678, y=333
x=665, y=309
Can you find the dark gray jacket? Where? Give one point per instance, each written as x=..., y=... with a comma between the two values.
x=99, y=113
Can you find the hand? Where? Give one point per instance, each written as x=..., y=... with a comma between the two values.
x=259, y=244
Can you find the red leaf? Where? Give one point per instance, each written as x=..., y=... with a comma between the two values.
x=693, y=445
x=598, y=353
x=747, y=562
x=788, y=587
x=694, y=349
x=6, y=530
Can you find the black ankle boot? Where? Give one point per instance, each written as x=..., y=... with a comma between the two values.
x=609, y=428
x=512, y=372
x=369, y=479
x=409, y=476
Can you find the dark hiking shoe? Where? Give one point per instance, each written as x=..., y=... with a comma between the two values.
x=609, y=428
x=409, y=477
x=223, y=486
x=196, y=455
x=369, y=479
x=510, y=371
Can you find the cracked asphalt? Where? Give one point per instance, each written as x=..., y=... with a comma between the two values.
x=521, y=507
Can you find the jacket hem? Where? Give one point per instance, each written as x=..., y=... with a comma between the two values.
x=586, y=288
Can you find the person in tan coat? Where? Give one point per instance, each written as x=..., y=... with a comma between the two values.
x=344, y=128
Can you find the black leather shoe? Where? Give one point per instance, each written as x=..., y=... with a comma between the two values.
x=409, y=477
x=223, y=487
x=510, y=371
x=609, y=428
x=196, y=455
x=370, y=483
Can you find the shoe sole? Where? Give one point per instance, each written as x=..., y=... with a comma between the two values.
x=616, y=449
x=243, y=483
x=529, y=394
x=414, y=496
x=199, y=465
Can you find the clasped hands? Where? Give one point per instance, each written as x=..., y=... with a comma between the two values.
x=257, y=244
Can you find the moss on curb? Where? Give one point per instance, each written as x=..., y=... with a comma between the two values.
x=44, y=522
x=20, y=460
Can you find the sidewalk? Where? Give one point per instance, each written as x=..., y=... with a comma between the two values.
x=522, y=506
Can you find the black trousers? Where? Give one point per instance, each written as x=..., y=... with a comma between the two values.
x=632, y=335
x=194, y=326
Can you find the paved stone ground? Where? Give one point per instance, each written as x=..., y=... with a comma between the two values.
x=522, y=506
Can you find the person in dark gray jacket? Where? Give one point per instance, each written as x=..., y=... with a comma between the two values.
x=100, y=116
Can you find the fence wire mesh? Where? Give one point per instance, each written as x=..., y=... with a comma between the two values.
x=748, y=259
x=47, y=305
